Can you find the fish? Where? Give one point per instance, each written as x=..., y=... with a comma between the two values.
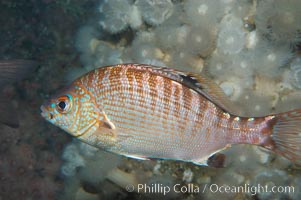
x=12, y=71
x=149, y=112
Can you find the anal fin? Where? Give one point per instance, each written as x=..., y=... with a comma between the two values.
x=217, y=160
x=137, y=157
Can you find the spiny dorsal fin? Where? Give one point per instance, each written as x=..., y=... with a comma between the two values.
x=200, y=83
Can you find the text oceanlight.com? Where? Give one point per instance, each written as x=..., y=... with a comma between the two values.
x=213, y=188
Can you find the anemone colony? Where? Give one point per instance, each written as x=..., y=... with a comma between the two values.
x=250, y=47
x=235, y=41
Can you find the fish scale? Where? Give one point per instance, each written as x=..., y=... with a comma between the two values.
x=158, y=108
x=145, y=112
x=158, y=97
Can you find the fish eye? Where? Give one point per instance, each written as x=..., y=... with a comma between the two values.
x=64, y=104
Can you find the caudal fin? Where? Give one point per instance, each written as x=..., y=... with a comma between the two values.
x=286, y=135
x=10, y=72
x=14, y=70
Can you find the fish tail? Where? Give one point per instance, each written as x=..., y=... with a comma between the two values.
x=10, y=72
x=15, y=70
x=285, y=135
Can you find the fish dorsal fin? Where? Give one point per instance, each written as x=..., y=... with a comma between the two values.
x=208, y=88
x=173, y=74
x=200, y=83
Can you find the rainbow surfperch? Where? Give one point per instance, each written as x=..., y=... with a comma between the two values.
x=143, y=112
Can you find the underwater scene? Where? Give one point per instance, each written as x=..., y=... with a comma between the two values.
x=150, y=99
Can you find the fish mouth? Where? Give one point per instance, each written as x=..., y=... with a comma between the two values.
x=45, y=113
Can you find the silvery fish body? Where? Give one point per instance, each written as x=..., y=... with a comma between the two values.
x=145, y=112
